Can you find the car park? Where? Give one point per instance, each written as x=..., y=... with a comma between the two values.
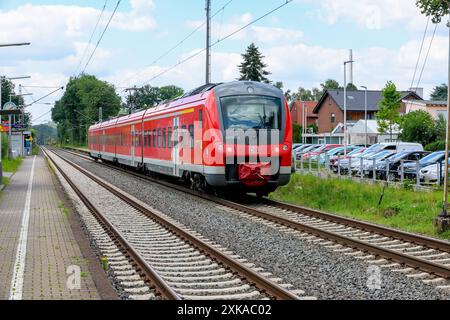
x=396, y=162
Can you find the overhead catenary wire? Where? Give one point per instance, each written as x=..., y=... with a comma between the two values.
x=217, y=42
x=90, y=38
x=101, y=36
x=420, y=53
x=166, y=53
x=426, y=56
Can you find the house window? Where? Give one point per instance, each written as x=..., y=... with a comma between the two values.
x=333, y=118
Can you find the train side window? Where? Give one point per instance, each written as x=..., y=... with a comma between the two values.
x=159, y=138
x=200, y=117
x=169, y=137
x=154, y=138
x=183, y=136
x=164, y=137
x=191, y=136
x=132, y=138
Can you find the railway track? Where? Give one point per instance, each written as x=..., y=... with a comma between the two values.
x=171, y=260
x=417, y=256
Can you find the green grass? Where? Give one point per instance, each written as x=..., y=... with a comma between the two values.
x=11, y=165
x=400, y=207
x=5, y=181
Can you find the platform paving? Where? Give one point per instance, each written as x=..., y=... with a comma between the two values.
x=44, y=240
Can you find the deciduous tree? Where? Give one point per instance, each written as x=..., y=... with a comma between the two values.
x=388, y=115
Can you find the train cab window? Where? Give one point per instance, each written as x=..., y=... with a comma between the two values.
x=159, y=138
x=169, y=137
x=164, y=139
x=154, y=138
x=191, y=136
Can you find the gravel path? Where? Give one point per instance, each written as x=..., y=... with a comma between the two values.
x=319, y=271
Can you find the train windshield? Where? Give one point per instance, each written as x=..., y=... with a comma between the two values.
x=251, y=112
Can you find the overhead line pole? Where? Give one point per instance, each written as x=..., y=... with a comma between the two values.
x=208, y=41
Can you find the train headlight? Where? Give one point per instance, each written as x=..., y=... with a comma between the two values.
x=285, y=147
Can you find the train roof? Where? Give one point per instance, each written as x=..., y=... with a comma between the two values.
x=195, y=96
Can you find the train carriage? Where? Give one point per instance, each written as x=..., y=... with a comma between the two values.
x=190, y=138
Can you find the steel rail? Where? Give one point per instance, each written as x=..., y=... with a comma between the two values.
x=127, y=249
x=414, y=262
x=247, y=273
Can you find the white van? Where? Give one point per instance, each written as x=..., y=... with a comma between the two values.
x=400, y=146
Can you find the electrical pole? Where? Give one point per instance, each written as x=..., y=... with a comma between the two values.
x=442, y=221
x=208, y=41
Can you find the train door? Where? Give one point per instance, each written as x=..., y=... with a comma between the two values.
x=133, y=142
x=175, y=150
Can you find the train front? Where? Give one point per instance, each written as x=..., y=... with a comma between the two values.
x=256, y=137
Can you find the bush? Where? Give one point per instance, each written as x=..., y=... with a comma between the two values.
x=435, y=146
x=4, y=138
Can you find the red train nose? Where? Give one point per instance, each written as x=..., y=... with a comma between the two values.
x=252, y=174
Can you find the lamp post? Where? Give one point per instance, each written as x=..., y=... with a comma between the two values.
x=365, y=115
x=345, y=106
x=1, y=81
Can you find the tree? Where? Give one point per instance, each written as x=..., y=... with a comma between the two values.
x=148, y=96
x=296, y=133
x=79, y=107
x=441, y=127
x=434, y=8
x=418, y=126
x=330, y=84
x=439, y=92
x=351, y=87
x=252, y=67
x=388, y=114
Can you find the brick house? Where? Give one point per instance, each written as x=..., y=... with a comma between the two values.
x=330, y=108
x=297, y=112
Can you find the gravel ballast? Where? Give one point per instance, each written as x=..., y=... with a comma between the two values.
x=319, y=271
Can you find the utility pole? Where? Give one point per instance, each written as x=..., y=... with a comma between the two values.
x=442, y=222
x=365, y=115
x=208, y=41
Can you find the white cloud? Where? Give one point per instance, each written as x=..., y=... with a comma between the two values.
x=371, y=14
x=259, y=34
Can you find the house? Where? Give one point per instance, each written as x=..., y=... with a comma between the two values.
x=330, y=108
x=357, y=133
x=298, y=114
x=434, y=108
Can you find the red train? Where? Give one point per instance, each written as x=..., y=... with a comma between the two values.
x=231, y=136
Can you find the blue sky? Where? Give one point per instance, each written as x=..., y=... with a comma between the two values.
x=305, y=42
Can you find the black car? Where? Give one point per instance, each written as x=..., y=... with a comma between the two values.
x=395, y=161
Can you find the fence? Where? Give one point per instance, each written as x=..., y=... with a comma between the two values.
x=365, y=170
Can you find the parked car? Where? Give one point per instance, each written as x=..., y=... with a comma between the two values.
x=354, y=153
x=410, y=168
x=392, y=146
x=301, y=152
x=334, y=154
x=395, y=162
x=368, y=162
x=431, y=173
x=322, y=149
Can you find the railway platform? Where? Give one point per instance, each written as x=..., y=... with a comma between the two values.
x=42, y=254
